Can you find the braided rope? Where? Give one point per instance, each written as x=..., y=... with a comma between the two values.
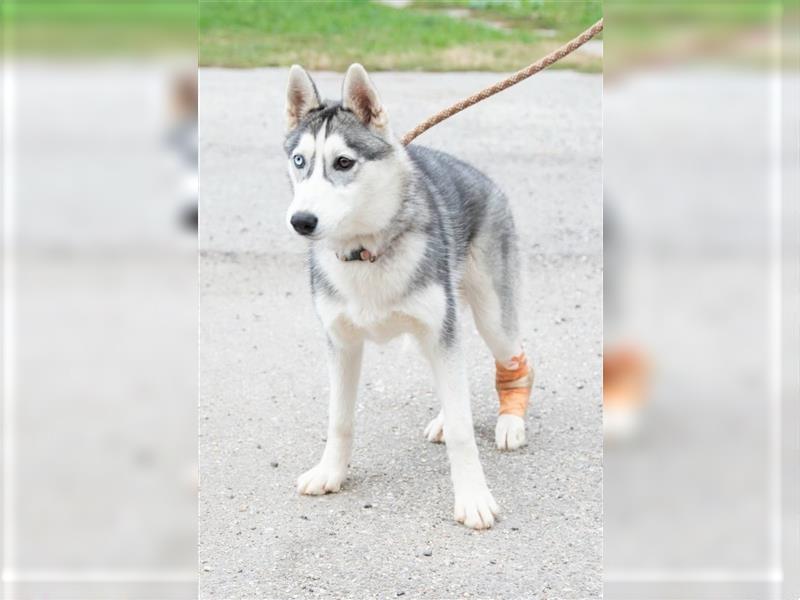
x=542, y=63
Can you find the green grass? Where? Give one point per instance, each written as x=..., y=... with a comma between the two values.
x=564, y=19
x=737, y=34
x=330, y=35
x=70, y=27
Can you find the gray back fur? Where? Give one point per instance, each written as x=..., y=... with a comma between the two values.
x=462, y=204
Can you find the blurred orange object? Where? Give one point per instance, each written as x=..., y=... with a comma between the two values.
x=625, y=374
x=625, y=381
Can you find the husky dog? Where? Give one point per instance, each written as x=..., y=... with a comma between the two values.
x=397, y=235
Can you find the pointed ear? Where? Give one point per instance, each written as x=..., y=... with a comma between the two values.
x=301, y=96
x=361, y=97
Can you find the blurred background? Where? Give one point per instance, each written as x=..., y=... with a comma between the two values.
x=99, y=187
x=700, y=306
x=99, y=196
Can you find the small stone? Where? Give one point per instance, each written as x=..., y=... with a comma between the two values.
x=368, y=505
x=305, y=518
x=273, y=464
x=207, y=569
x=427, y=552
x=580, y=386
x=401, y=594
x=515, y=529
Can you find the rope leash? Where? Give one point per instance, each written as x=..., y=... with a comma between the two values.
x=539, y=65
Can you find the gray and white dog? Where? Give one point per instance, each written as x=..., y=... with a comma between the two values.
x=397, y=236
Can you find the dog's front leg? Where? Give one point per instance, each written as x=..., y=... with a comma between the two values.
x=474, y=504
x=344, y=365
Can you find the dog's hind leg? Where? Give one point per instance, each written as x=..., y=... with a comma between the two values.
x=328, y=475
x=434, y=431
x=491, y=289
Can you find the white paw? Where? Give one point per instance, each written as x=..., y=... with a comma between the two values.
x=509, y=434
x=320, y=480
x=476, y=509
x=434, y=432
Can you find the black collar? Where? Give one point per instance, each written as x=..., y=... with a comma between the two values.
x=360, y=254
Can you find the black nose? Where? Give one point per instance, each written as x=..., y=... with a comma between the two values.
x=304, y=223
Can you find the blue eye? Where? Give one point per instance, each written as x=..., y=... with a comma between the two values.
x=298, y=161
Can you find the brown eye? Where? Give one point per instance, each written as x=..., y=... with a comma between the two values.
x=343, y=163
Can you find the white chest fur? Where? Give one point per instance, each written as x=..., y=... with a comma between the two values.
x=377, y=300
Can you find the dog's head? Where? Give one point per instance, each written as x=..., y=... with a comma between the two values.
x=344, y=163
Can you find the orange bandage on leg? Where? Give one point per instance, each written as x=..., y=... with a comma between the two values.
x=514, y=386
